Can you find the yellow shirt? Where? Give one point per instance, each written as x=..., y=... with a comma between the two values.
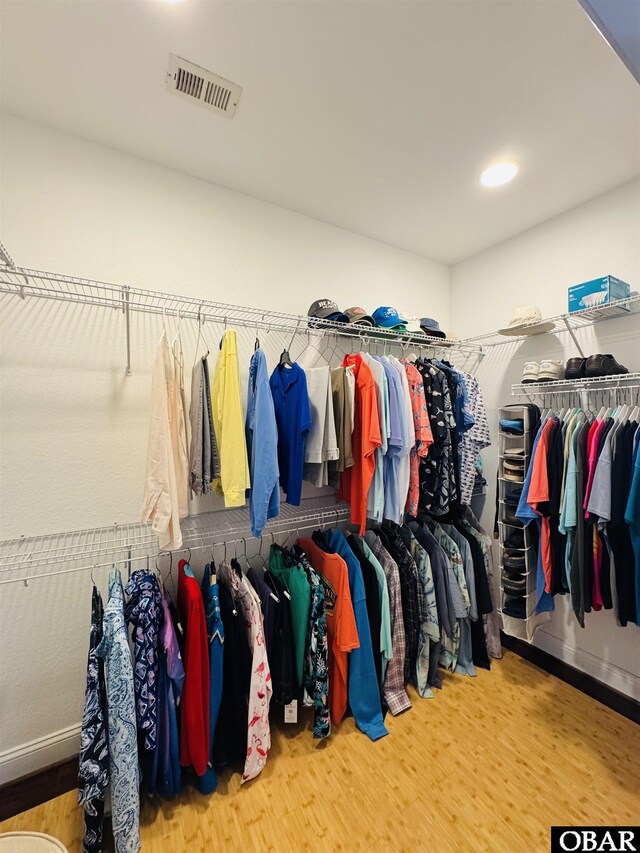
x=228, y=423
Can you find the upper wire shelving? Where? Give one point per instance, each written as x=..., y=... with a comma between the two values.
x=567, y=322
x=28, y=283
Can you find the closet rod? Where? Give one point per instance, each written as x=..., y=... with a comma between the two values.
x=24, y=283
x=305, y=523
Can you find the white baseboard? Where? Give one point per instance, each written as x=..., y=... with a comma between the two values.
x=603, y=670
x=37, y=754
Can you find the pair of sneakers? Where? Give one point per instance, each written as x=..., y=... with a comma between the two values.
x=545, y=371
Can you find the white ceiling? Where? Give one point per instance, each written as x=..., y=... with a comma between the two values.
x=374, y=116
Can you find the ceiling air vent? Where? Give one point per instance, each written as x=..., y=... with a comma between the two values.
x=197, y=84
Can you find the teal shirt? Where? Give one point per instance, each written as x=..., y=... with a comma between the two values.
x=294, y=580
x=386, y=644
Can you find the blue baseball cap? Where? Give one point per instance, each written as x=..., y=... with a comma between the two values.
x=388, y=318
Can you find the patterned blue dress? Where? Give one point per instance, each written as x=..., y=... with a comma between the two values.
x=121, y=714
x=144, y=610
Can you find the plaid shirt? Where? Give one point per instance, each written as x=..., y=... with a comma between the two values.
x=413, y=606
x=393, y=686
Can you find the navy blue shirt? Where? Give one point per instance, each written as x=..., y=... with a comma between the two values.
x=293, y=417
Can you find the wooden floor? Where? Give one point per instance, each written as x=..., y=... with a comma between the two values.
x=488, y=764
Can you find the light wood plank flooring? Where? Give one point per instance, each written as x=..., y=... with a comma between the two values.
x=488, y=764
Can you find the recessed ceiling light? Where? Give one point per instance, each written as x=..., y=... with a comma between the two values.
x=498, y=174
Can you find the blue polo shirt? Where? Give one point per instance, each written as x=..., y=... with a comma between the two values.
x=364, y=690
x=293, y=417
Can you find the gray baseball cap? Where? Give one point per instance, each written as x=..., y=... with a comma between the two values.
x=327, y=309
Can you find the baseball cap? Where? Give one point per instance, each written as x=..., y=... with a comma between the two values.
x=327, y=309
x=431, y=327
x=388, y=318
x=359, y=317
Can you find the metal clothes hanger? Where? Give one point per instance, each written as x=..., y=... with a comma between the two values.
x=285, y=358
x=200, y=335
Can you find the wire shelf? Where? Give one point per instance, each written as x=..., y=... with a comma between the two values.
x=20, y=558
x=25, y=283
x=566, y=322
x=628, y=381
x=5, y=258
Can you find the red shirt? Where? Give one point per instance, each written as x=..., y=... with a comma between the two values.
x=194, y=719
x=355, y=481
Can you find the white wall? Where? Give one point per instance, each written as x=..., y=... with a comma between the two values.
x=73, y=427
x=537, y=267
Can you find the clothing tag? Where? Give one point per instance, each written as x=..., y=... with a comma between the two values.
x=291, y=712
x=287, y=594
x=180, y=628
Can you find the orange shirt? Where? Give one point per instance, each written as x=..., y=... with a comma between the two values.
x=355, y=481
x=539, y=493
x=341, y=623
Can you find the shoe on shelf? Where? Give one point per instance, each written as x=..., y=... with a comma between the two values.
x=575, y=368
x=511, y=518
x=551, y=371
x=603, y=365
x=514, y=584
x=515, y=540
x=530, y=372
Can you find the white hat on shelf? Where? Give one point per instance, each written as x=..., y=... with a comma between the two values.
x=527, y=320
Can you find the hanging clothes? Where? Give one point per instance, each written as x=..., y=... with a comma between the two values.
x=341, y=624
x=403, y=472
x=413, y=606
x=342, y=415
x=386, y=641
x=228, y=424
x=396, y=443
x=632, y=517
x=321, y=445
x=161, y=502
x=215, y=635
x=165, y=775
x=178, y=426
x=375, y=498
x=473, y=440
x=284, y=565
x=363, y=690
x=93, y=766
x=283, y=658
x=194, y=707
x=231, y=730
x=316, y=669
x=423, y=434
x=262, y=446
x=355, y=481
x=293, y=417
x=259, y=733
x=204, y=458
x=121, y=716
x=393, y=689
x=143, y=611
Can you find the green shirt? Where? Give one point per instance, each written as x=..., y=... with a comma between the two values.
x=294, y=580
